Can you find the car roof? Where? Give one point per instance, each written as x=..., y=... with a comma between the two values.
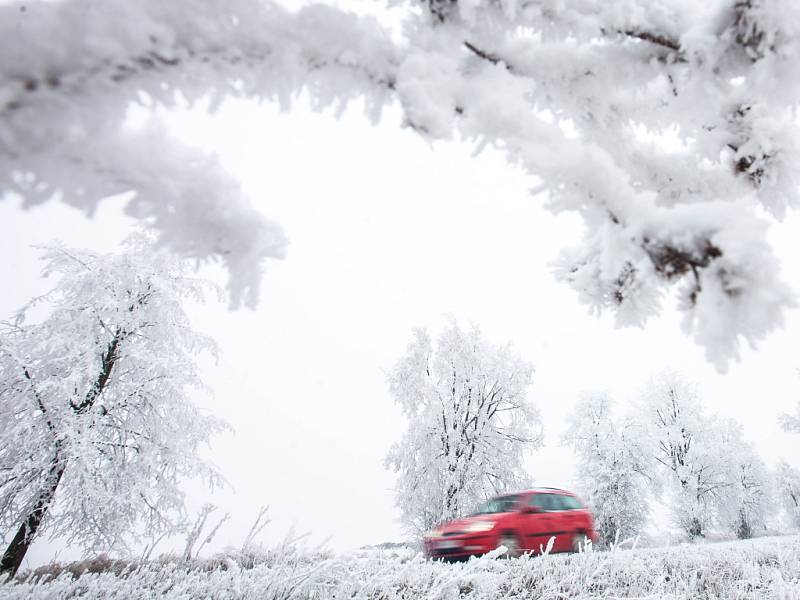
x=547, y=490
x=536, y=490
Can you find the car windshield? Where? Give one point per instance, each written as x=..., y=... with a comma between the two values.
x=497, y=505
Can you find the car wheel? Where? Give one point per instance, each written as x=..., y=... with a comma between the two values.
x=511, y=542
x=577, y=541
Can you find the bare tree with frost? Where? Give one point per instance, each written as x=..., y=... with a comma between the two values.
x=712, y=475
x=791, y=422
x=688, y=449
x=788, y=483
x=98, y=427
x=469, y=425
x=613, y=470
x=748, y=500
x=669, y=125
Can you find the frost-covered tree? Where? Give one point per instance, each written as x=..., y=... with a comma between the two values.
x=469, y=424
x=713, y=476
x=688, y=449
x=97, y=427
x=613, y=468
x=791, y=422
x=747, y=500
x=669, y=125
x=788, y=483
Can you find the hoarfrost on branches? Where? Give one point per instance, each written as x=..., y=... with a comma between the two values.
x=683, y=444
x=613, y=468
x=585, y=95
x=748, y=499
x=791, y=422
x=98, y=427
x=788, y=481
x=713, y=476
x=470, y=424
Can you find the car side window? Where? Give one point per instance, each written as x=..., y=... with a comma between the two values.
x=567, y=502
x=543, y=502
x=557, y=502
x=536, y=501
x=570, y=502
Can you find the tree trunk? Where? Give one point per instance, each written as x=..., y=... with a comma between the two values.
x=12, y=558
x=695, y=529
x=743, y=530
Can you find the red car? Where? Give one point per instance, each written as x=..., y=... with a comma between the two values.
x=522, y=522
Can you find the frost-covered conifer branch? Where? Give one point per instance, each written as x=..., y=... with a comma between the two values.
x=584, y=97
x=70, y=72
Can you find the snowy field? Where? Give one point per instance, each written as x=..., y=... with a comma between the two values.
x=761, y=568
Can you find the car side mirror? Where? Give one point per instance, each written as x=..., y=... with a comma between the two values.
x=530, y=509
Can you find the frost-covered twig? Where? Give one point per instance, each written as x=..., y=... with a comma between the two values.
x=256, y=528
x=194, y=533
x=213, y=532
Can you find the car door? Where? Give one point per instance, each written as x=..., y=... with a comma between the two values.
x=540, y=524
x=576, y=518
x=561, y=522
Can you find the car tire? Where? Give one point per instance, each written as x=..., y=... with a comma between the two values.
x=577, y=542
x=511, y=542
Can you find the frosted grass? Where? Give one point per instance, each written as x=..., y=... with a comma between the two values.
x=762, y=568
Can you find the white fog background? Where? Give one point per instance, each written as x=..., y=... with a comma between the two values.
x=388, y=233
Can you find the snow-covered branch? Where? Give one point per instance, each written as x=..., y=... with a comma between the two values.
x=668, y=127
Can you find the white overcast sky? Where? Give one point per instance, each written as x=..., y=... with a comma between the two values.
x=389, y=233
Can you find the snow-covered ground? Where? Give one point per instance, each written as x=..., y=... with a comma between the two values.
x=760, y=568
